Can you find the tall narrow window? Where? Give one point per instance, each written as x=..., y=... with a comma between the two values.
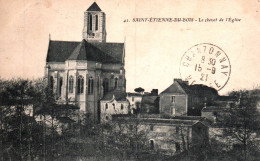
x=178, y=147
x=80, y=84
x=90, y=22
x=116, y=83
x=106, y=106
x=96, y=22
x=122, y=106
x=105, y=85
x=51, y=82
x=173, y=98
x=60, y=86
x=152, y=144
x=98, y=84
x=90, y=85
x=114, y=106
x=71, y=82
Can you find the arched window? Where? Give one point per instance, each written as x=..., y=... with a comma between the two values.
x=60, y=86
x=116, y=83
x=114, y=106
x=71, y=82
x=90, y=22
x=51, y=82
x=96, y=22
x=106, y=106
x=122, y=106
x=105, y=85
x=90, y=85
x=80, y=84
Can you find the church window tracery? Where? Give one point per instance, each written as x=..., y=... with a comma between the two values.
x=71, y=82
x=60, y=86
x=96, y=22
x=105, y=85
x=80, y=84
x=90, y=85
x=116, y=83
x=90, y=22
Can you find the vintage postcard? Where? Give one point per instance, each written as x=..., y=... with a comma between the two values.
x=130, y=80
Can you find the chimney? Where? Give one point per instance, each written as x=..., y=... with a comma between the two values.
x=154, y=92
x=180, y=81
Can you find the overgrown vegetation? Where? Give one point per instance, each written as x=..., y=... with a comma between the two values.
x=33, y=126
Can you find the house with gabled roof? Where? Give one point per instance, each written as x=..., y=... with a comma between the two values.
x=82, y=72
x=114, y=102
x=180, y=98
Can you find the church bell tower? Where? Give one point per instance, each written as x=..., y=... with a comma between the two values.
x=94, y=24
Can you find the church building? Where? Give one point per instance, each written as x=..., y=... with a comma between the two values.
x=82, y=72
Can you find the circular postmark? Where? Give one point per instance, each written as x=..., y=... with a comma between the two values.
x=205, y=64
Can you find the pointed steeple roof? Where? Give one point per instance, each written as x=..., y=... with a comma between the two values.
x=94, y=7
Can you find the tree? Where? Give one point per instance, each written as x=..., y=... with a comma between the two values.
x=129, y=136
x=139, y=90
x=242, y=123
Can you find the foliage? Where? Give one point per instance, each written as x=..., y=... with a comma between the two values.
x=242, y=123
x=139, y=90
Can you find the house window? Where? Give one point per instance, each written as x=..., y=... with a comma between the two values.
x=80, y=84
x=71, y=82
x=114, y=106
x=116, y=83
x=60, y=86
x=151, y=128
x=177, y=129
x=106, y=106
x=131, y=127
x=122, y=106
x=178, y=147
x=90, y=85
x=90, y=22
x=133, y=99
x=173, y=110
x=173, y=98
x=96, y=22
x=152, y=144
x=51, y=82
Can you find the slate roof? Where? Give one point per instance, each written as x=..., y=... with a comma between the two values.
x=60, y=51
x=181, y=87
x=94, y=7
x=134, y=94
x=117, y=94
x=86, y=51
x=177, y=87
x=155, y=120
x=116, y=50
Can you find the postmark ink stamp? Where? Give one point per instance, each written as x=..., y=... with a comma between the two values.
x=206, y=64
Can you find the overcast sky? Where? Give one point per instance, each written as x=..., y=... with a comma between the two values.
x=153, y=49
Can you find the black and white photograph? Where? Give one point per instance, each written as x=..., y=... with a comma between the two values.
x=147, y=80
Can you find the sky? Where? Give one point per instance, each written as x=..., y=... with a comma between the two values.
x=153, y=49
